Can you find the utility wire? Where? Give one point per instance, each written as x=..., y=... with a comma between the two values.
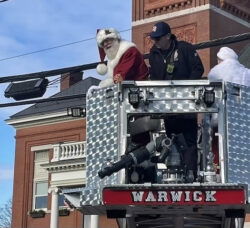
x=55, y=47
x=217, y=42
x=46, y=49
x=50, y=73
x=57, y=80
x=223, y=41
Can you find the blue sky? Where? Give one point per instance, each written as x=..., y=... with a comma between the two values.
x=28, y=26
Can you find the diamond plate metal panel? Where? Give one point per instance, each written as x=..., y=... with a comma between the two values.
x=238, y=133
x=169, y=99
x=105, y=112
x=102, y=141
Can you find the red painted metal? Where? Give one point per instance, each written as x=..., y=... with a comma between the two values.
x=165, y=197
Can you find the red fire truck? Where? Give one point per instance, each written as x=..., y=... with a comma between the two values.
x=137, y=174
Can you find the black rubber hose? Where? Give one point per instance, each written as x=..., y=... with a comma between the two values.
x=137, y=156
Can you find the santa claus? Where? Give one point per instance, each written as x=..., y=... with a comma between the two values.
x=125, y=62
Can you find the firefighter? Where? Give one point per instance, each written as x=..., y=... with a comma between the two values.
x=171, y=59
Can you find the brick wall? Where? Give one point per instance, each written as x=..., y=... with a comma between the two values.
x=189, y=28
x=24, y=169
x=69, y=79
x=199, y=26
x=195, y=28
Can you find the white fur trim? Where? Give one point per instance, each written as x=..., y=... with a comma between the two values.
x=124, y=46
x=106, y=82
x=102, y=68
x=104, y=34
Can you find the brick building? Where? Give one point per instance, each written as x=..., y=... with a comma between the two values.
x=50, y=147
x=194, y=21
x=50, y=144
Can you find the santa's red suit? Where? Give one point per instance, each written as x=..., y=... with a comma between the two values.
x=128, y=62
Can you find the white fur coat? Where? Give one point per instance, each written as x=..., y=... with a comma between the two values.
x=230, y=70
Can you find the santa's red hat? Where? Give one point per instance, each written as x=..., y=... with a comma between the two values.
x=101, y=67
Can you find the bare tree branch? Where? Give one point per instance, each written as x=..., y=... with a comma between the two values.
x=5, y=214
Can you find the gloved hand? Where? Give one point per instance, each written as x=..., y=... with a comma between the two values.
x=91, y=90
x=118, y=78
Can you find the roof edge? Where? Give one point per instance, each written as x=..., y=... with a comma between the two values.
x=37, y=120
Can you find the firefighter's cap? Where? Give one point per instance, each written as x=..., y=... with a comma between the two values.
x=160, y=29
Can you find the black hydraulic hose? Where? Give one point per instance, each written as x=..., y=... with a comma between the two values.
x=137, y=156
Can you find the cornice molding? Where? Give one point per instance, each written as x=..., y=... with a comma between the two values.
x=165, y=6
x=190, y=11
x=67, y=183
x=235, y=10
x=231, y=16
x=56, y=167
x=42, y=147
x=39, y=120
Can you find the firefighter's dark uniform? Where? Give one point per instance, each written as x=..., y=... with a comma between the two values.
x=179, y=62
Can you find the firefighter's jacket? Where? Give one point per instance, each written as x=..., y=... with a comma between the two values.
x=179, y=62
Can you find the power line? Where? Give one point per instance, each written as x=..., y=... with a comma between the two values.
x=55, y=47
x=50, y=73
x=217, y=42
x=57, y=80
x=223, y=41
x=46, y=49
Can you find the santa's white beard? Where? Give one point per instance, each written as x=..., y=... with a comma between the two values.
x=112, y=51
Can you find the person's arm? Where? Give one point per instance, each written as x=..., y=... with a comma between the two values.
x=106, y=82
x=219, y=72
x=213, y=74
x=194, y=63
x=153, y=71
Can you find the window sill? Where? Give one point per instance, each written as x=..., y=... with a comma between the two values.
x=64, y=212
x=37, y=214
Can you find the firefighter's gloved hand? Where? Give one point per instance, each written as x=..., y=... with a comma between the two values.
x=91, y=90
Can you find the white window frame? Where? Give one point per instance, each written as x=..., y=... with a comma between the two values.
x=35, y=196
x=43, y=178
